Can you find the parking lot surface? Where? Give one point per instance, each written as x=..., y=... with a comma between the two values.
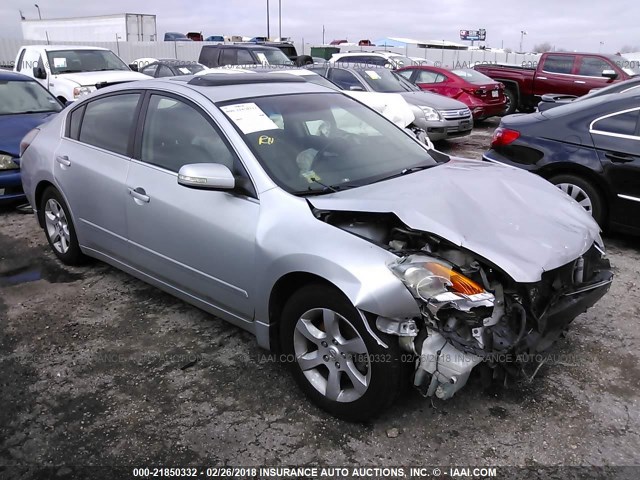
x=98, y=368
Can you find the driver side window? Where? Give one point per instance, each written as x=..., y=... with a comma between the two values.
x=177, y=134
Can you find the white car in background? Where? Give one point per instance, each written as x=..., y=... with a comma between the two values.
x=70, y=72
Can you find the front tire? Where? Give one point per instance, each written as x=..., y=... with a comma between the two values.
x=583, y=192
x=59, y=229
x=333, y=358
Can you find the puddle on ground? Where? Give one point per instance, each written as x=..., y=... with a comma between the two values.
x=49, y=272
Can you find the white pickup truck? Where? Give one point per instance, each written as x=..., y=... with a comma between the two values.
x=69, y=72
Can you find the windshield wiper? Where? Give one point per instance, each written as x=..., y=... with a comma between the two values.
x=415, y=169
x=69, y=71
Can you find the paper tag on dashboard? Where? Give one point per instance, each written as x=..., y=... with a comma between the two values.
x=249, y=117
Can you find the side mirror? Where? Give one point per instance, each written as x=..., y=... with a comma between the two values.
x=356, y=88
x=206, y=176
x=133, y=66
x=610, y=74
x=38, y=72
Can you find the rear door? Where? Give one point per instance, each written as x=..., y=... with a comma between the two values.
x=431, y=81
x=201, y=242
x=616, y=137
x=91, y=165
x=557, y=76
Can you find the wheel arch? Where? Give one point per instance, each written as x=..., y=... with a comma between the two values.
x=282, y=290
x=40, y=189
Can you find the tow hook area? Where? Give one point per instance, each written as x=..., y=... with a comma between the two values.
x=442, y=369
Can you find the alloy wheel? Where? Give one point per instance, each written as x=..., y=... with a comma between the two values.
x=57, y=226
x=578, y=194
x=332, y=355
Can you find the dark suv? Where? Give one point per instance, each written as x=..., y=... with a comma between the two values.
x=249, y=54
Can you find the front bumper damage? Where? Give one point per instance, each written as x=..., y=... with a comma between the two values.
x=500, y=330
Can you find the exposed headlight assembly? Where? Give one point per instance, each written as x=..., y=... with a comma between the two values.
x=7, y=163
x=434, y=281
x=430, y=113
x=82, y=91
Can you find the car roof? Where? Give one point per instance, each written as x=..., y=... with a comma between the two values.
x=221, y=87
x=6, y=75
x=53, y=48
x=252, y=46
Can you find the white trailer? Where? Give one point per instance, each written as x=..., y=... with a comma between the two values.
x=124, y=27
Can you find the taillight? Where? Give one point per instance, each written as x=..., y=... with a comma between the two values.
x=27, y=139
x=504, y=136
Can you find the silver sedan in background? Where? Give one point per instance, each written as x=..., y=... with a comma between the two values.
x=308, y=219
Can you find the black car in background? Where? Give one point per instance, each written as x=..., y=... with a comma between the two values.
x=171, y=68
x=551, y=100
x=590, y=149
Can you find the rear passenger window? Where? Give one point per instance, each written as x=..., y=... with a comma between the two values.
x=228, y=57
x=427, y=76
x=558, y=64
x=107, y=122
x=622, y=123
x=245, y=58
x=73, y=130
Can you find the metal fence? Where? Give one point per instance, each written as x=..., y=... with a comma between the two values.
x=130, y=51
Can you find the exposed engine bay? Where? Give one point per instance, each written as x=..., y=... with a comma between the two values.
x=471, y=311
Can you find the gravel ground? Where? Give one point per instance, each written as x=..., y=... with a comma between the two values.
x=97, y=368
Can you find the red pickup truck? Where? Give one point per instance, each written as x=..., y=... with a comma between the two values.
x=558, y=73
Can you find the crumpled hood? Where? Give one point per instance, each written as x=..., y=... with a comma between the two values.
x=89, y=79
x=14, y=127
x=512, y=218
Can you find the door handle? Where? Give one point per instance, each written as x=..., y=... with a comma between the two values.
x=619, y=157
x=542, y=78
x=579, y=81
x=139, y=194
x=63, y=160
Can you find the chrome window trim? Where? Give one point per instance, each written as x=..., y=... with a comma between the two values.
x=612, y=134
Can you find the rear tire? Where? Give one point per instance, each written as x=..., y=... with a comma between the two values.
x=512, y=102
x=334, y=360
x=584, y=192
x=59, y=228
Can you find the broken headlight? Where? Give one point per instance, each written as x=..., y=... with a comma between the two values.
x=435, y=281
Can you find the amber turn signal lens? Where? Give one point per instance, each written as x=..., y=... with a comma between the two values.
x=459, y=282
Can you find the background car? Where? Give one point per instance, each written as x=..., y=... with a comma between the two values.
x=443, y=117
x=24, y=104
x=214, y=56
x=176, y=37
x=382, y=59
x=172, y=68
x=590, y=149
x=551, y=100
x=484, y=96
x=215, y=38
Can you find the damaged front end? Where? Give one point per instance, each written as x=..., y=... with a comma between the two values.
x=471, y=311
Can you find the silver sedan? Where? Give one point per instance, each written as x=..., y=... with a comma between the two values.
x=308, y=219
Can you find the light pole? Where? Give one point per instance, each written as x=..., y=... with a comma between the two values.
x=39, y=16
x=280, y=19
x=522, y=34
x=600, y=47
x=268, y=31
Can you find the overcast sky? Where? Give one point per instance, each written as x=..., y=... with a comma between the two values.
x=574, y=25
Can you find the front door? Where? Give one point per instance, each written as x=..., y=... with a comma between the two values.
x=201, y=242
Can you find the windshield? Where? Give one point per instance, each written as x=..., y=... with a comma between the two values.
x=321, y=142
x=273, y=57
x=472, y=76
x=320, y=80
x=630, y=67
x=73, y=61
x=384, y=80
x=25, y=97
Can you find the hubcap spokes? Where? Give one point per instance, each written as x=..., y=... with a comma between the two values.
x=57, y=226
x=332, y=355
x=578, y=194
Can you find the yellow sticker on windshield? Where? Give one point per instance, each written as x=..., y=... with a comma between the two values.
x=266, y=140
x=372, y=75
